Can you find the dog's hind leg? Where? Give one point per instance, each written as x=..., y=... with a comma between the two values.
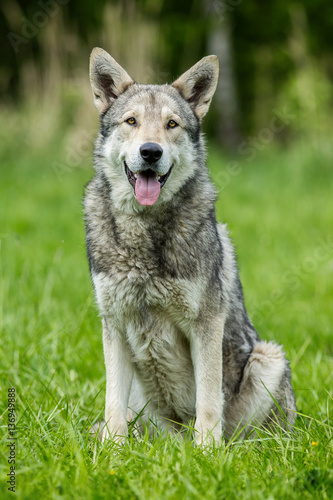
x=266, y=380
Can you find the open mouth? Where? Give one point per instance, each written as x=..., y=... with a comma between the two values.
x=147, y=184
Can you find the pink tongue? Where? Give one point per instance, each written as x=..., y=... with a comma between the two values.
x=147, y=189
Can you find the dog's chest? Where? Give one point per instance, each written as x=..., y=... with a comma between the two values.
x=144, y=269
x=121, y=296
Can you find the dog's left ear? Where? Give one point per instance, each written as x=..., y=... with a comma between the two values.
x=198, y=84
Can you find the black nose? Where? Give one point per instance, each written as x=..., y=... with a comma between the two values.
x=151, y=152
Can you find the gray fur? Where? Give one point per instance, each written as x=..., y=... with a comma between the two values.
x=165, y=276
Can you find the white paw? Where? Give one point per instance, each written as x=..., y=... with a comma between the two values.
x=207, y=435
x=104, y=431
x=115, y=431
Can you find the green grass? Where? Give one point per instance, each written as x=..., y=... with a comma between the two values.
x=279, y=211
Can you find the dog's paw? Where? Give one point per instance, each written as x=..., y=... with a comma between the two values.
x=207, y=436
x=101, y=431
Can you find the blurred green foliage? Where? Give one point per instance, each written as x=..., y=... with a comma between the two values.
x=271, y=44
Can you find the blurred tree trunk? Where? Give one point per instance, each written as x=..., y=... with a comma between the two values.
x=220, y=43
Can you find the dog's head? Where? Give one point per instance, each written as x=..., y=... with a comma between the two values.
x=150, y=134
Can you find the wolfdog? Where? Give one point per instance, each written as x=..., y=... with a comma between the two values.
x=179, y=346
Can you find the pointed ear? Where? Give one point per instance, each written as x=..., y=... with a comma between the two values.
x=108, y=79
x=198, y=84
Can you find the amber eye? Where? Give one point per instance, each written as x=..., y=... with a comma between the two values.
x=131, y=121
x=172, y=124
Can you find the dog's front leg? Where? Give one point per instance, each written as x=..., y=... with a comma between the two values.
x=206, y=351
x=119, y=374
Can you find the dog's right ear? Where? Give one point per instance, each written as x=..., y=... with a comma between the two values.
x=108, y=79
